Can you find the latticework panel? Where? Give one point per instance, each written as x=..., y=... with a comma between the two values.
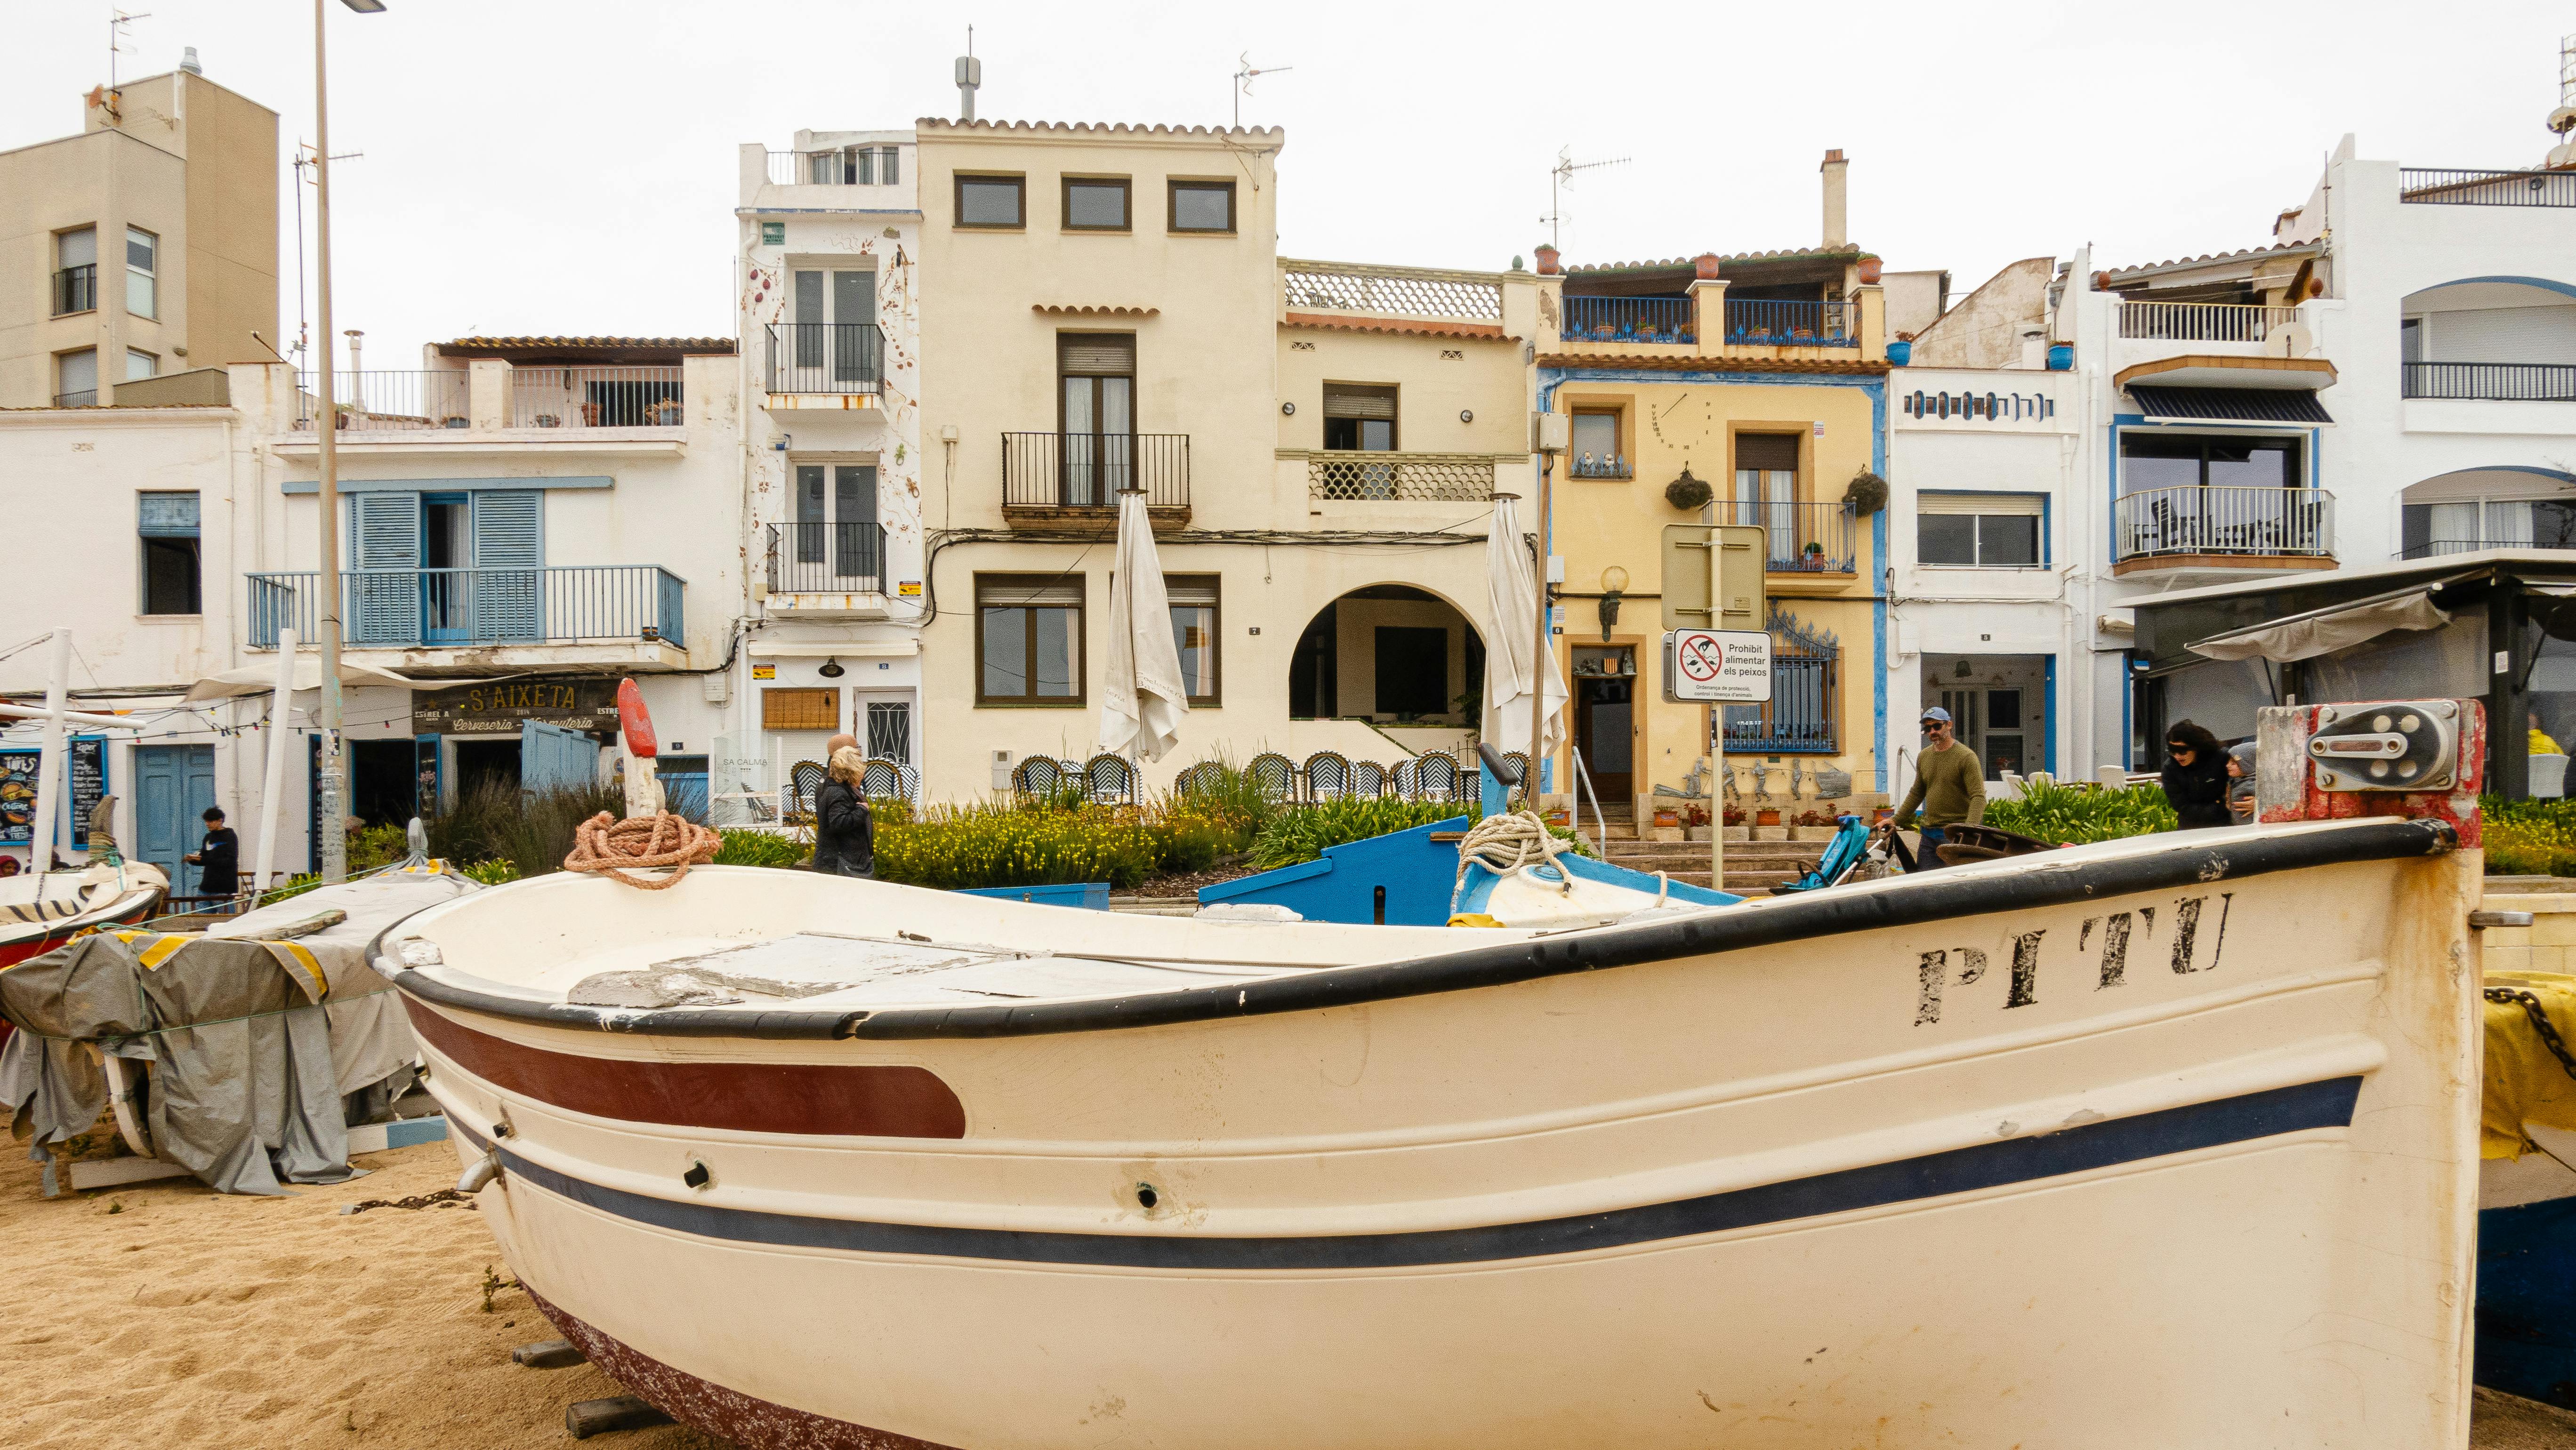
x=1378, y=476
x=1408, y=294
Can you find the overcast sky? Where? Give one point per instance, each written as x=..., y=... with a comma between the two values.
x=542, y=166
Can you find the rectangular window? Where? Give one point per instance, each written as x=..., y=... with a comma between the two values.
x=1596, y=452
x=860, y=167
x=1766, y=488
x=991, y=201
x=76, y=271
x=889, y=165
x=76, y=378
x=1095, y=203
x=800, y=709
x=2183, y=460
x=167, y=526
x=1359, y=416
x=140, y=365
x=1202, y=206
x=142, y=271
x=1096, y=398
x=1193, y=598
x=1028, y=639
x=1979, y=530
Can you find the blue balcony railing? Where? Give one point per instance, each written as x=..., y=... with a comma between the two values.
x=394, y=608
x=1631, y=319
x=1799, y=720
x=1793, y=324
x=1803, y=538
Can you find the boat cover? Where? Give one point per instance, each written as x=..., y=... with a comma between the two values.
x=2525, y=1082
x=253, y=1044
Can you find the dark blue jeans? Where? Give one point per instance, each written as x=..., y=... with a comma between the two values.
x=1928, y=856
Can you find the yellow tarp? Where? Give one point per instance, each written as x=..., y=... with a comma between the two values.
x=2524, y=1081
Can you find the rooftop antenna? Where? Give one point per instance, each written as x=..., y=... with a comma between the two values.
x=2563, y=120
x=970, y=75
x=1562, y=175
x=304, y=159
x=116, y=38
x=1243, y=77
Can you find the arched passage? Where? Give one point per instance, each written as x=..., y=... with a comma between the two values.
x=1391, y=653
x=2509, y=338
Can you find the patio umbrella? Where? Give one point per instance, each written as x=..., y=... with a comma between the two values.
x=1143, y=697
x=1513, y=592
x=260, y=679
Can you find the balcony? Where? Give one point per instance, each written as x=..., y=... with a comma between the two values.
x=2516, y=382
x=1459, y=301
x=1792, y=324
x=76, y=290
x=1814, y=547
x=2223, y=528
x=837, y=166
x=827, y=571
x=826, y=365
x=466, y=407
x=2441, y=186
x=596, y=397
x=611, y=616
x=1631, y=319
x=1354, y=477
x=2201, y=321
x=85, y=398
x=1071, y=481
x=382, y=402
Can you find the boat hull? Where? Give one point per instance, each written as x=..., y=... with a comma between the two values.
x=2190, y=1164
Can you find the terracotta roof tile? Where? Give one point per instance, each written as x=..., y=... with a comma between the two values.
x=673, y=344
x=1850, y=367
x=1398, y=327
x=2212, y=257
x=1105, y=128
x=1788, y=254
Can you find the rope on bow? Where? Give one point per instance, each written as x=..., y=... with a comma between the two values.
x=605, y=844
x=1505, y=844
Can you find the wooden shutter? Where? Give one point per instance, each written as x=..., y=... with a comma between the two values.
x=800, y=709
x=509, y=553
x=384, y=535
x=1358, y=400
x=1096, y=354
x=1766, y=452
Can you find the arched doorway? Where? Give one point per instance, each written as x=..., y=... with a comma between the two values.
x=2490, y=337
x=2510, y=507
x=1391, y=654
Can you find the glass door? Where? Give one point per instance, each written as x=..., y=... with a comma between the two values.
x=446, y=556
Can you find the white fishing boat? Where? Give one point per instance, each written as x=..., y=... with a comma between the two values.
x=2165, y=1141
x=41, y=910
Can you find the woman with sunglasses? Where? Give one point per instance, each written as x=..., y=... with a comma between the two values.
x=2195, y=777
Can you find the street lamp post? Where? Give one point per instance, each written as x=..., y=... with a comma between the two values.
x=331, y=813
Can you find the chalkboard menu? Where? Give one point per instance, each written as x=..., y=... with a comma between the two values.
x=18, y=789
x=502, y=707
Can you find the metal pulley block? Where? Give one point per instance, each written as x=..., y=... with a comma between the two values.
x=2407, y=745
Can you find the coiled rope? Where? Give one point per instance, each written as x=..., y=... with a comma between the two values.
x=605, y=844
x=1505, y=844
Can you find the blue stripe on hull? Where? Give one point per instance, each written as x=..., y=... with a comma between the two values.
x=2253, y=1116
x=2526, y=1281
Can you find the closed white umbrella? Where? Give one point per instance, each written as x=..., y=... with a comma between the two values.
x=1143, y=696
x=261, y=679
x=1509, y=641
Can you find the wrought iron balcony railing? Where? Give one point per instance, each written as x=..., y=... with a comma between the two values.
x=596, y=397
x=1793, y=324
x=827, y=558
x=2451, y=187
x=379, y=401
x=2225, y=519
x=826, y=357
x=393, y=608
x=1631, y=319
x=2522, y=382
x=1803, y=538
x=76, y=290
x=1090, y=470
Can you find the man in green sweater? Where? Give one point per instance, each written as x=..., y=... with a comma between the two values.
x=1949, y=784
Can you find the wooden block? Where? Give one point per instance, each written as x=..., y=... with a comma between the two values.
x=401, y=1133
x=548, y=1354
x=109, y=1172
x=585, y=1418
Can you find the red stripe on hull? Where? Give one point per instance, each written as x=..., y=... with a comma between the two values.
x=873, y=1101
x=14, y=952
x=704, y=1405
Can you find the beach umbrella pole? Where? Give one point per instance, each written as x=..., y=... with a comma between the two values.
x=49, y=758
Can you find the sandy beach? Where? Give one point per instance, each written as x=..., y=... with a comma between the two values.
x=169, y=1315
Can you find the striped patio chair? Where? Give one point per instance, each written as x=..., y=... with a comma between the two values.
x=1110, y=780
x=803, y=779
x=1520, y=763
x=1437, y=777
x=1328, y=776
x=1037, y=776
x=879, y=779
x=908, y=784
x=1203, y=776
x=1406, y=778
x=1368, y=779
x=1274, y=775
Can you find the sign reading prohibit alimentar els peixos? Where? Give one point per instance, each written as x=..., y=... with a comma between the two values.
x=502, y=707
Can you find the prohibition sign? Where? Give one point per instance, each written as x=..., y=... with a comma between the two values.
x=1701, y=657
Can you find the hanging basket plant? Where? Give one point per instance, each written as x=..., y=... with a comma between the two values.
x=1867, y=493
x=1687, y=493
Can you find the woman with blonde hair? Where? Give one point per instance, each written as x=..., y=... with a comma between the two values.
x=844, y=830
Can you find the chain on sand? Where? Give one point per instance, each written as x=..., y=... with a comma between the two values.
x=605, y=844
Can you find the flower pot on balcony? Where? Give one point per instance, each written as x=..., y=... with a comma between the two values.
x=1870, y=268
x=590, y=415
x=1766, y=818
x=2061, y=356
x=1547, y=261
x=1899, y=353
x=548, y=420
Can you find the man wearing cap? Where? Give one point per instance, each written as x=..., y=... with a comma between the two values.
x=1949, y=785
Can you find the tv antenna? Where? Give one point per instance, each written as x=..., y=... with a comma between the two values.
x=1243, y=77
x=304, y=156
x=116, y=39
x=1562, y=175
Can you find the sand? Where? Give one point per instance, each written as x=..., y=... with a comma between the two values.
x=165, y=1315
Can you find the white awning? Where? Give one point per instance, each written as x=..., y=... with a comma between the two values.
x=260, y=679
x=2323, y=631
x=848, y=649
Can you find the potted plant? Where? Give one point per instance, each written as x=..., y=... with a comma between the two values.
x=1687, y=493
x=548, y=420
x=1812, y=558
x=1695, y=821
x=1767, y=816
x=455, y=420
x=1667, y=817
x=1547, y=261
x=1871, y=268
x=1866, y=494
x=666, y=413
x=590, y=415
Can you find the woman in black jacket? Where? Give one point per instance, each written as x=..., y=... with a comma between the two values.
x=2195, y=777
x=844, y=831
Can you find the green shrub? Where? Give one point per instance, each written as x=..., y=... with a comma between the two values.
x=376, y=846
x=960, y=847
x=2529, y=837
x=1300, y=833
x=533, y=830
x=760, y=848
x=490, y=873
x=2064, y=815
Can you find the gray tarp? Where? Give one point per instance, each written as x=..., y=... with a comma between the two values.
x=2306, y=636
x=252, y=1044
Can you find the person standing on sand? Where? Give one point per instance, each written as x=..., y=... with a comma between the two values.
x=1949, y=786
x=218, y=860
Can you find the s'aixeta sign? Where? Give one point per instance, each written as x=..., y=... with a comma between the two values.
x=502, y=707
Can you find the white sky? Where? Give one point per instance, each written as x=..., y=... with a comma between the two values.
x=543, y=166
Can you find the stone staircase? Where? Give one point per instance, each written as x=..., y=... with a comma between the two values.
x=1752, y=867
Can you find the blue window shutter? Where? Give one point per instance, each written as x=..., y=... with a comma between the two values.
x=509, y=559
x=384, y=549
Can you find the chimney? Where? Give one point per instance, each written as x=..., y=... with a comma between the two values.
x=1837, y=217
x=188, y=63
x=970, y=75
x=356, y=339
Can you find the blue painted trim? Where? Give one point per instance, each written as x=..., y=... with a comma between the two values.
x=1080, y=895
x=2526, y=1269
x=2048, y=723
x=294, y=487
x=405, y=1132
x=1985, y=1167
x=1280, y=876
x=2543, y=283
x=2549, y=473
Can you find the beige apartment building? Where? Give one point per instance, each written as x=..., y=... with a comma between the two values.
x=141, y=253
x=1104, y=307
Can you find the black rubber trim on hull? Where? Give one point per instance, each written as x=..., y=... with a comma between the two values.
x=1934, y=896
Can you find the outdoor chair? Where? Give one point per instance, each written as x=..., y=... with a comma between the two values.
x=1037, y=776
x=1328, y=776
x=1438, y=776
x=1274, y=775
x=1110, y=780
x=1206, y=775
x=879, y=779
x=1368, y=779
x=804, y=778
x=1406, y=778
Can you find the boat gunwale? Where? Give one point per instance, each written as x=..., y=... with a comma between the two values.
x=1907, y=902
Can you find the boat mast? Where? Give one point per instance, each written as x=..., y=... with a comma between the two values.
x=49, y=760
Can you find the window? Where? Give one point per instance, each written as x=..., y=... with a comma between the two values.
x=76, y=378
x=168, y=528
x=1096, y=426
x=1095, y=203
x=2433, y=529
x=838, y=546
x=1596, y=452
x=1193, y=598
x=800, y=709
x=76, y=271
x=1202, y=206
x=856, y=166
x=140, y=365
x=142, y=295
x=889, y=730
x=1766, y=487
x=2192, y=460
x=1359, y=416
x=1028, y=639
x=1979, y=530
x=990, y=201
x=773, y=234
x=836, y=342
